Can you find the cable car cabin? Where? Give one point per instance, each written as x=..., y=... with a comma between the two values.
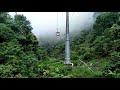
x=58, y=33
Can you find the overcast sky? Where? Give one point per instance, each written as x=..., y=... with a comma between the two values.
x=45, y=23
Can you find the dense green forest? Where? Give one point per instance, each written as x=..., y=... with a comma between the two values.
x=95, y=52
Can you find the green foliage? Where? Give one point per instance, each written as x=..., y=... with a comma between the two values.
x=19, y=52
x=7, y=71
x=22, y=23
x=113, y=69
x=3, y=17
x=104, y=21
x=6, y=33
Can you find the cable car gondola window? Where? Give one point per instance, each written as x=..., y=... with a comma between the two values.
x=58, y=33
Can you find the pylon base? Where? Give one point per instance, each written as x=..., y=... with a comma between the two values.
x=69, y=64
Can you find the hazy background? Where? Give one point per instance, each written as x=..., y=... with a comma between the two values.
x=45, y=23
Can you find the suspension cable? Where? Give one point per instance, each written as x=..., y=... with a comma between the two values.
x=71, y=17
x=57, y=21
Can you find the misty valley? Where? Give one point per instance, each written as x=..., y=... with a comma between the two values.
x=94, y=48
